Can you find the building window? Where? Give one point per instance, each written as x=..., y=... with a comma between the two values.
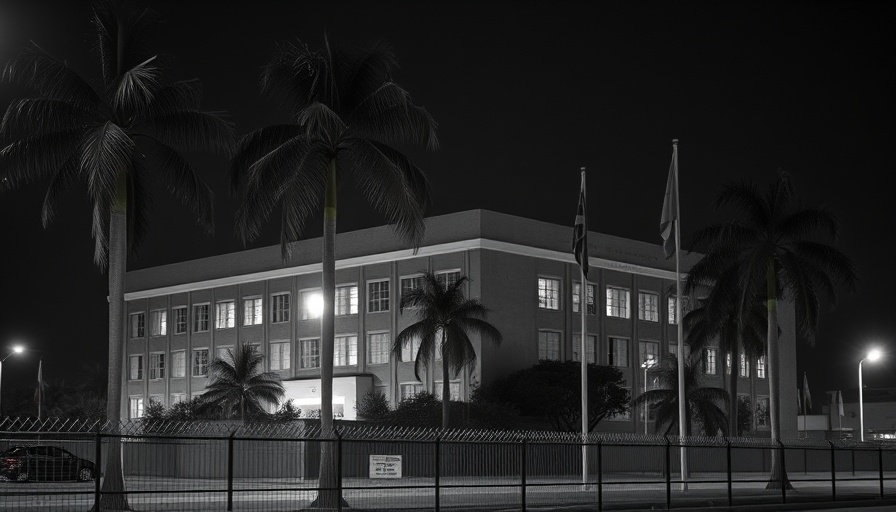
x=156, y=400
x=648, y=307
x=576, y=297
x=136, y=372
x=378, y=348
x=178, y=364
x=618, y=352
x=410, y=389
x=200, y=318
x=548, y=345
x=617, y=302
x=138, y=325
x=410, y=283
x=280, y=308
x=744, y=370
x=377, y=296
x=453, y=390
x=346, y=300
x=762, y=412
x=311, y=353
x=760, y=367
x=709, y=360
x=345, y=351
x=685, y=308
x=728, y=363
x=225, y=314
x=180, y=320
x=157, y=366
x=158, y=323
x=650, y=353
x=177, y=398
x=252, y=311
x=200, y=362
x=136, y=407
x=590, y=347
x=548, y=293
x=409, y=350
x=447, y=277
x=279, y=356
x=312, y=302
x=673, y=350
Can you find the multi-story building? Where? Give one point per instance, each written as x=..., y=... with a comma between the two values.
x=182, y=316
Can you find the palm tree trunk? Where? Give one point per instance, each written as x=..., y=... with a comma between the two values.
x=113, y=479
x=778, y=478
x=328, y=499
x=446, y=388
x=732, y=390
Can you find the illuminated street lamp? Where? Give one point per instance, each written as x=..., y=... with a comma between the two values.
x=18, y=349
x=872, y=356
x=647, y=364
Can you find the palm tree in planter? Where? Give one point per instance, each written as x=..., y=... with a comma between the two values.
x=774, y=249
x=238, y=386
x=117, y=139
x=706, y=406
x=445, y=320
x=346, y=115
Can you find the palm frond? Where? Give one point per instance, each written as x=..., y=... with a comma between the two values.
x=34, y=158
x=191, y=130
x=136, y=87
x=29, y=117
x=51, y=78
x=809, y=222
x=747, y=198
x=296, y=75
x=121, y=36
x=389, y=115
x=60, y=182
x=105, y=152
x=257, y=145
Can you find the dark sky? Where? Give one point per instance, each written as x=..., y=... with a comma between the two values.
x=525, y=94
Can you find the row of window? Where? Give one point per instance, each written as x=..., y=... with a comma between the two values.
x=311, y=305
x=618, y=301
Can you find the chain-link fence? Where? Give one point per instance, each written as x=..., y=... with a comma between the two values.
x=49, y=465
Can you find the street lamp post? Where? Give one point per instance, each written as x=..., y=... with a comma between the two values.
x=872, y=356
x=15, y=350
x=647, y=364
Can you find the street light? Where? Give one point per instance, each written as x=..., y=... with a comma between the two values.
x=872, y=356
x=18, y=349
x=647, y=364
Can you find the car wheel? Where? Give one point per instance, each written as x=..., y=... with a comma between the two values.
x=85, y=474
x=22, y=477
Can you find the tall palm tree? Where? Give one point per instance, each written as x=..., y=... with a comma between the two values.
x=703, y=405
x=774, y=249
x=446, y=317
x=118, y=138
x=346, y=114
x=239, y=386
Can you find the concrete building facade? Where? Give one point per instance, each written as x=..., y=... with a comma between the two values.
x=181, y=316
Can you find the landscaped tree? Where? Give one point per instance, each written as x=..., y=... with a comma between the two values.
x=552, y=391
x=238, y=386
x=703, y=405
x=446, y=317
x=117, y=139
x=774, y=249
x=346, y=115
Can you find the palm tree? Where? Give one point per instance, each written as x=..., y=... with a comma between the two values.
x=702, y=404
x=118, y=138
x=346, y=114
x=446, y=317
x=238, y=386
x=774, y=249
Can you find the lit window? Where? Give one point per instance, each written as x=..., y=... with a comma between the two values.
x=548, y=293
x=158, y=323
x=136, y=372
x=180, y=320
x=744, y=370
x=280, y=308
x=280, y=356
x=225, y=314
x=377, y=296
x=549, y=345
x=136, y=407
x=576, y=297
x=409, y=350
x=618, y=352
x=200, y=362
x=650, y=353
x=617, y=302
x=709, y=361
x=345, y=351
x=138, y=325
x=728, y=363
x=453, y=390
x=178, y=364
x=378, y=348
x=346, y=300
x=410, y=389
x=157, y=366
x=252, y=311
x=448, y=277
x=685, y=309
x=590, y=347
x=312, y=304
x=648, y=307
x=760, y=367
x=311, y=353
x=200, y=318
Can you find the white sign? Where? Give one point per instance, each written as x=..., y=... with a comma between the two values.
x=385, y=466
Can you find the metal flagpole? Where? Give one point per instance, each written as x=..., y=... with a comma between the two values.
x=681, y=391
x=583, y=306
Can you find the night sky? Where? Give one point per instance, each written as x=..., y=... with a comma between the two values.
x=525, y=94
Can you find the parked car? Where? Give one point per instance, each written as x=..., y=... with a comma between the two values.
x=44, y=463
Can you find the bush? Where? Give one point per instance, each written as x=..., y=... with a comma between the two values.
x=373, y=406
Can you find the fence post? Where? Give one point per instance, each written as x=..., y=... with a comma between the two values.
x=524, y=445
x=600, y=475
x=783, y=473
x=98, y=454
x=880, y=468
x=669, y=473
x=230, y=470
x=338, y=468
x=437, y=464
x=833, y=472
x=728, y=461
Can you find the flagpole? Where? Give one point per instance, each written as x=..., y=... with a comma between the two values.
x=583, y=306
x=682, y=420
x=40, y=385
